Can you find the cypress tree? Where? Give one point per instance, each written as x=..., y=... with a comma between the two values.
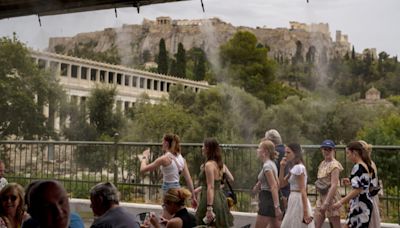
x=162, y=59
x=200, y=66
x=173, y=68
x=353, y=53
x=181, y=61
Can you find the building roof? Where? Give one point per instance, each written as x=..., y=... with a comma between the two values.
x=16, y=8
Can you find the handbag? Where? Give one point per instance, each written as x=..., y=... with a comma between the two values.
x=322, y=186
x=229, y=193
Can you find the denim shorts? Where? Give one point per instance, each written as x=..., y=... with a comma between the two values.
x=167, y=185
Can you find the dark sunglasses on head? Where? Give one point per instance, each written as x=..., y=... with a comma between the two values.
x=10, y=197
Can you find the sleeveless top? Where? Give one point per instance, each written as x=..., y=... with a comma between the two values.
x=297, y=170
x=171, y=172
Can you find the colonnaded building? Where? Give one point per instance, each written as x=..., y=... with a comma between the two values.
x=79, y=76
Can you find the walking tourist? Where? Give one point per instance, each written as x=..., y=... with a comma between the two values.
x=374, y=190
x=360, y=178
x=213, y=208
x=12, y=210
x=172, y=164
x=174, y=203
x=104, y=198
x=274, y=136
x=269, y=211
x=327, y=186
x=298, y=213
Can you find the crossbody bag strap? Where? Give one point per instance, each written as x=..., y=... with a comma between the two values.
x=176, y=163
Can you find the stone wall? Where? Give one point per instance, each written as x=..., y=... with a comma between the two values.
x=209, y=34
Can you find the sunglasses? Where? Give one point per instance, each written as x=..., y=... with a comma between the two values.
x=326, y=148
x=9, y=197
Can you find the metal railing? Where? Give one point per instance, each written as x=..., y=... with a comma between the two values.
x=80, y=165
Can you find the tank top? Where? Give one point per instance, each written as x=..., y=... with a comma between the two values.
x=171, y=172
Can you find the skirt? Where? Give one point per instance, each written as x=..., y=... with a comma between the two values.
x=375, y=215
x=294, y=213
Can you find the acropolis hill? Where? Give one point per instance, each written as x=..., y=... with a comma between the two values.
x=132, y=41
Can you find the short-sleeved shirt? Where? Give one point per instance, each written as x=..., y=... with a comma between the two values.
x=325, y=169
x=267, y=166
x=295, y=172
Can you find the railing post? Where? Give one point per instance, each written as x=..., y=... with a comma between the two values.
x=116, y=139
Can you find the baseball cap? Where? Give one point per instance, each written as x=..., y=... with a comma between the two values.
x=328, y=144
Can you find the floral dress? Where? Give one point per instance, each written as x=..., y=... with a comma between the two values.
x=325, y=170
x=360, y=206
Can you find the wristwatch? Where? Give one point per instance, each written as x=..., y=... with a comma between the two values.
x=276, y=206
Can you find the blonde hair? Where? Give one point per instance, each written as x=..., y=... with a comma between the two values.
x=367, y=147
x=20, y=208
x=177, y=195
x=269, y=146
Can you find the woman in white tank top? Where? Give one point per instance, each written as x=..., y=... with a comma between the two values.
x=171, y=163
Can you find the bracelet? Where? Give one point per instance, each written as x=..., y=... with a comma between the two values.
x=209, y=208
x=277, y=206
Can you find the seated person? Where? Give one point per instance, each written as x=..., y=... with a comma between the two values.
x=12, y=210
x=174, y=203
x=104, y=198
x=48, y=205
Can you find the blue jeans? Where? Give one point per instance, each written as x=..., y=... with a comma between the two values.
x=167, y=185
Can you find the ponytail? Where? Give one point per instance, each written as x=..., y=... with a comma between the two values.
x=362, y=152
x=173, y=143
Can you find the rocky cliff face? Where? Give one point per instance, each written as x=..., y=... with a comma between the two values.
x=132, y=41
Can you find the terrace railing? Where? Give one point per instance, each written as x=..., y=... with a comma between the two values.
x=80, y=165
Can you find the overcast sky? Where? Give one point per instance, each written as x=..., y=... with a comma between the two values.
x=368, y=23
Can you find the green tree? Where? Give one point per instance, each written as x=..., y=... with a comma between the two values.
x=247, y=66
x=384, y=131
x=101, y=114
x=162, y=59
x=151, y=121
x=197, y=65
x=25, y=91
x=181, y=61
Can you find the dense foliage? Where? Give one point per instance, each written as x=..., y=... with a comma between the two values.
x=25, y=91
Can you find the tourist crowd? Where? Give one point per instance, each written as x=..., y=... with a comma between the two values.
x=281, y=187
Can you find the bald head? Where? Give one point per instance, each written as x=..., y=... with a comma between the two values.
x=48, y=204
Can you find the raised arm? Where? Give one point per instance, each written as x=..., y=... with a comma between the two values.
x=283, y=180
x=144, y=167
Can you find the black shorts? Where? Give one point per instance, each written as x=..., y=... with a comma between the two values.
x=266, y=204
